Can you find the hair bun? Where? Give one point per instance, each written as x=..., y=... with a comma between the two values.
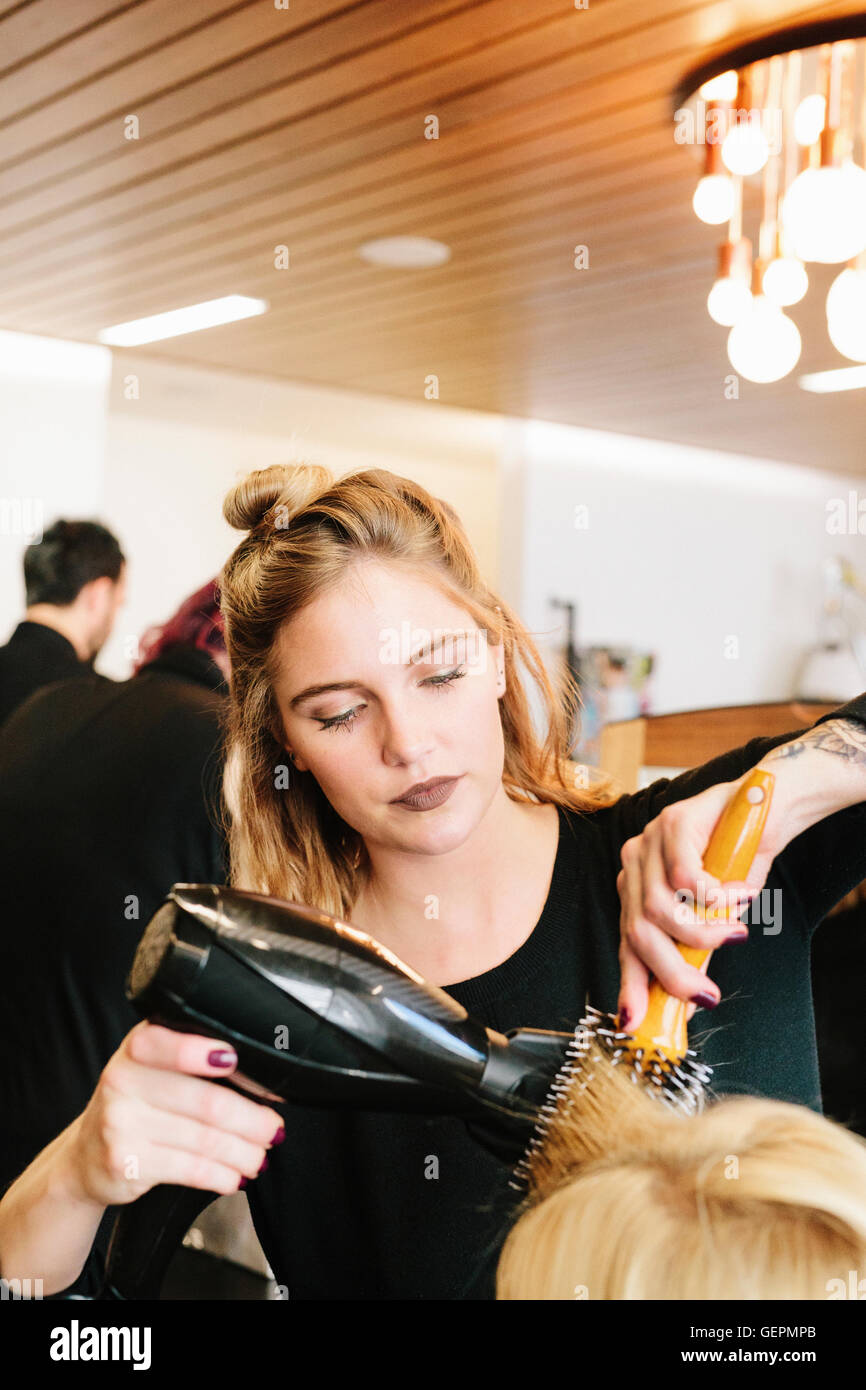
x=292, y=484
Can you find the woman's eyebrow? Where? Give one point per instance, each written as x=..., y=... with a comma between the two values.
x=417, y=656
x=320, y=690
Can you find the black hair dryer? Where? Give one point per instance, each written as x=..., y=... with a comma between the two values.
x=319, y=1014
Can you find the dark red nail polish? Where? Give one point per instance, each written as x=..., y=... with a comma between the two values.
x=264, y=1164
x=623, y=1018
x=706, y=1001
x=279, y=1136
x=221, y=1057
x=242, y=1184
x=736, y=936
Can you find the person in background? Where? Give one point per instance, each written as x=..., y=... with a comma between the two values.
x=108, y=795
x=74, y=581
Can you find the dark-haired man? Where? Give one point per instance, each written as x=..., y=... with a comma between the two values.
x=75, y=581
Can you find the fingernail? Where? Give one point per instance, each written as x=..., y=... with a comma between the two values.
x=279, y=1136
x=243, y=1182
x=706, y=1001
x=736, y=936
x=623, y=1018
x=264, y=1164
x=221, y=1057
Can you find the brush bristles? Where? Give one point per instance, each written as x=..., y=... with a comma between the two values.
x=585, y=1081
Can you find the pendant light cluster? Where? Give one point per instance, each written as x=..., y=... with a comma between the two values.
x=793, y=125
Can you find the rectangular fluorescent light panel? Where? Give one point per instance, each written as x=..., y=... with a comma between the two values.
x=177, y=321
x=840, y=379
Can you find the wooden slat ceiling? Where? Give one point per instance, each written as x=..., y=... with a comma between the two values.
x=304, y=126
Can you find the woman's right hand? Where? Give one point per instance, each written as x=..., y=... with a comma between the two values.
x=153, y=1118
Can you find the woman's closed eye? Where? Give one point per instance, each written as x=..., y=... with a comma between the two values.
x=345, y=721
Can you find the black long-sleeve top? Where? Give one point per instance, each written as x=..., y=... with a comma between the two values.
x=382, y=1206
x=35, y=655
x=104, y=804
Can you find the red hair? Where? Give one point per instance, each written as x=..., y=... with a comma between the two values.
x=198, y=622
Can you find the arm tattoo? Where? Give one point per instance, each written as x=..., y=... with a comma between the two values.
x=844, y=737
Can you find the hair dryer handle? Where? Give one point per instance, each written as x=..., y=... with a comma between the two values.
x=145, y=1238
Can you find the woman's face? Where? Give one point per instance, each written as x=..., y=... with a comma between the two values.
x=394, y=722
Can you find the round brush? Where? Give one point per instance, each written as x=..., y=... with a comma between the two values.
x=656, y=1053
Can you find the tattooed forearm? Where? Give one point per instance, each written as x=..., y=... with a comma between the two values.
x=844, y=737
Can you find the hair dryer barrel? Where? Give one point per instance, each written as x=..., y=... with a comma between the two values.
x=320, y=1013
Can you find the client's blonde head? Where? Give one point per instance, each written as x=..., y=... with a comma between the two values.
x=751, y=1199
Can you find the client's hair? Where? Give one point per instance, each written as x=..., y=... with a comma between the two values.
x=750, y=1199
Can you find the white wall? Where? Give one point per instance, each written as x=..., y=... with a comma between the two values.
x=684, y=549
x=53, y=399
x=179, y=437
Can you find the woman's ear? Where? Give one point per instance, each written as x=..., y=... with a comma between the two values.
x=280, y=738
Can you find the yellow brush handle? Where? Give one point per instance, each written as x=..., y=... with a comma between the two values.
x=728, y=857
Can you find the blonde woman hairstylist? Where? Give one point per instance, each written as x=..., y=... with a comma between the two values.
x=506, y=884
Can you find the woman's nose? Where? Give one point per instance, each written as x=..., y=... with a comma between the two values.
x=406, y=739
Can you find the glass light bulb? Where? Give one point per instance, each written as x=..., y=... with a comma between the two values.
x=713, y=199
x=764, y=344
x=721, y=88
x=846, y=314
x=728, y=300
x=809, y=119
x=785, y=280
x=745, y=148
x=824, y=213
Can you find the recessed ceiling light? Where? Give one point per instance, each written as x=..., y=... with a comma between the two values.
x=405, y=252
x=191, y=319
x=840, y=379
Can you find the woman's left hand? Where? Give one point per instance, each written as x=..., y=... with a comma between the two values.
x=664, y=860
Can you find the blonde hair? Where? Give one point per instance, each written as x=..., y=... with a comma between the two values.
x=751, y=1199
x=305, y=531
